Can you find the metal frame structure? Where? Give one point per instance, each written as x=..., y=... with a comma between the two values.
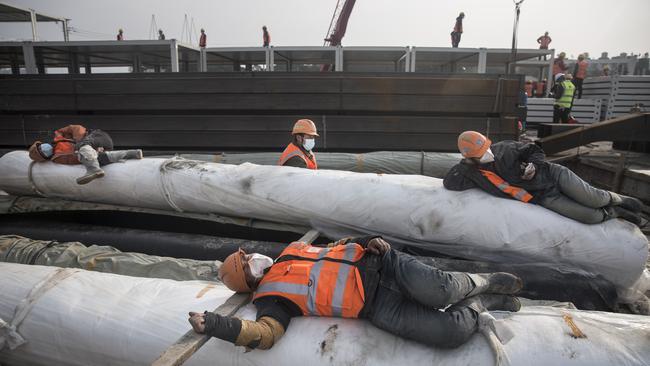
x=11, y=14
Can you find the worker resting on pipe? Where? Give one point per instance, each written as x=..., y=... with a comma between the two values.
x=74, y=144
x=516, y=170
x=356, y=278
x=299, y=151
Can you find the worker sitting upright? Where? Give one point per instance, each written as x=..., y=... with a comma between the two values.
x=299, y=151
x=512, y=169
x=357, y=278
x=74, y=144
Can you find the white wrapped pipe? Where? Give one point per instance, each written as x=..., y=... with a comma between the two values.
x=405, y=208
x=76, y=317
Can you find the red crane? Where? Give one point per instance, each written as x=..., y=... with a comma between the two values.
x=338, y=25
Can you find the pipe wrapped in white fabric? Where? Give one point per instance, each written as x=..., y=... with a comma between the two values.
x=405, y=208
x=93, y=318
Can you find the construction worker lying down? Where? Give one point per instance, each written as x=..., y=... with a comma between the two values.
x=357, y=278
x=74, y=144
x=516, y=170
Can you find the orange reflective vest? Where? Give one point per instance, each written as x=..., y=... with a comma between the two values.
x=505, y=187
x=582, y=70
x=293, y=150
x=64, y=144
x=320, y=281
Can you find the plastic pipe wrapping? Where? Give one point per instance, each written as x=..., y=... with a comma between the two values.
x=76, y=317
x=407, y=209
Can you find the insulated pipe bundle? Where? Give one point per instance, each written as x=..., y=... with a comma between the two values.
x=413, y=210
x=63, y=316
x=386, y=162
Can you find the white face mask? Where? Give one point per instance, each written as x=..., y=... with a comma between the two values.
x=309, y=144
x=257, y=263
x=488, y=157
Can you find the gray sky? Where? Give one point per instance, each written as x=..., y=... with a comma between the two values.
x=575, y=25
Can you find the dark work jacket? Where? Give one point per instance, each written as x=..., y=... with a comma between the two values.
x=508, y=158
x=96, y=139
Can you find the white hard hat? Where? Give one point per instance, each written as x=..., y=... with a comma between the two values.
x=558, y=76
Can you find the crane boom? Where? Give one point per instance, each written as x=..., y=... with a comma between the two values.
x=339, y=22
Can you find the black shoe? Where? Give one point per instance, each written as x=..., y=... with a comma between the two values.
x=485, y=302
x=495, y=283
x=620, y=212
x=628, y=203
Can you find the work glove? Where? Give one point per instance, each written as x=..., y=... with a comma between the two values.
x=378, y=246
x=529, y=171
x=215, y=325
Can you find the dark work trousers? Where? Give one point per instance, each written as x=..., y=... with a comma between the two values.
x=578, y=83
x=576, y=199
x=409, y=296
x=561, y=114
x=455, y=39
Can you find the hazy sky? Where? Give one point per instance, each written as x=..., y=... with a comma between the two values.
x=575, y=25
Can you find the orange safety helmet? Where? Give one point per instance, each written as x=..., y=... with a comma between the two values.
x=305, y=126
x=472, y=144
x=231, y=273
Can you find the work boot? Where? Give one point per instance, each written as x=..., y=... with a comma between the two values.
x=495, y=283
x=612, y=212
x=628, y=203
x=115, y=156
x=92, y=172
x=489, y=302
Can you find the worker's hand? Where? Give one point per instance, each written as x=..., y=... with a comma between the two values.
x=529, y=172
x=198, y=322
x=100, y=149
x=378, y=246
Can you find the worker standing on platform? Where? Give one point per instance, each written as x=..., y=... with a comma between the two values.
x=266, y=37
x=74, y=144
x=516, y=170
x=564, y=92
x=357, y=278
x=120, y=35
x=299, y=151
x=161, y=35
x=559, y=67
x=458, y=30
x=203, y=39
x=580, y=74
x=544, y=41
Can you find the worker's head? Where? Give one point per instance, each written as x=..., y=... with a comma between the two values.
x=264, y=27
x=559, y=77
x=202, y=30
x=41, y=151
x=562, y=55
x=568, y=76
x=546, y=33
x=581, y=57
x=475, y=147
x=119, y=30
x=462, y=15
x=304, y=132
x=242, y=272
x=160, y=31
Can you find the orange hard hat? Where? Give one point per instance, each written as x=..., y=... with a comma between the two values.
x=305, y=126
x=473, y=144
x=231, y=273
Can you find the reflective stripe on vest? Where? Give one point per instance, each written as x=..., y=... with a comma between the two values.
x=293, y=150
x=567, y=98
x=505, y=187
x=320, y=281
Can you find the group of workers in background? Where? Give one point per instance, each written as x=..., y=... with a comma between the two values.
x=203, y=38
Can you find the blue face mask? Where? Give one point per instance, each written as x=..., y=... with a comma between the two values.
x=47, y=150
x=309, y=144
